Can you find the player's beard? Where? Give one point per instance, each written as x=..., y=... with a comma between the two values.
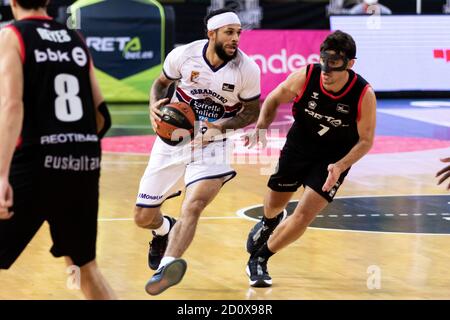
x=220, y=51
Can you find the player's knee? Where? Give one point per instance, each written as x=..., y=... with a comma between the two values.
x=194, y=207
x=302, y=216
x=143, y=217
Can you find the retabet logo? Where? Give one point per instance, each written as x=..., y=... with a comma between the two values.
x=130, y=48
x=442, y=54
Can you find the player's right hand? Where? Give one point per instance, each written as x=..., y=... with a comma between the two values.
x=6, y=199
x=155, y=114
x=253, y=138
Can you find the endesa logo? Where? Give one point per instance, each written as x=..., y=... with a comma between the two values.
x=282, y=62
x=130, y=48
x=443, y=54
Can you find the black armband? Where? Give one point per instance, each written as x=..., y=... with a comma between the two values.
x=103, y=109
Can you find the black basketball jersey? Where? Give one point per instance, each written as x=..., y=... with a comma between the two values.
x=59, y=128
x=326, y=123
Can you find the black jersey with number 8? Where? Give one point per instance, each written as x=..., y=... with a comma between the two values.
x=59, y=126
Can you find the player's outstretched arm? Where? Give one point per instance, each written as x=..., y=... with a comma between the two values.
x=11, y=111
x=285, y=92
x=366, y=131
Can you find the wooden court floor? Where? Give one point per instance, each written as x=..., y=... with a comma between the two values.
x=323, y=264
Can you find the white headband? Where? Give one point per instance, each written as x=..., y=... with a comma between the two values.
x=223, y=19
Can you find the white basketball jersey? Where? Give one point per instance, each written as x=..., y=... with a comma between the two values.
x=216, y=94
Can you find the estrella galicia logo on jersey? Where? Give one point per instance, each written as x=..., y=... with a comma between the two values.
x=194, y=76
x=343, y=108
x=207, y=109
x=405, y=214
x=228, y=87
x=312, y=105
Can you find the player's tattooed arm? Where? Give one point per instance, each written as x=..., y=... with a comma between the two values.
x=160, y=88
x=248, y=115
x=158, y=94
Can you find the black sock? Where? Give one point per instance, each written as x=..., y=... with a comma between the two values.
x=272, y=223
x=264, y=252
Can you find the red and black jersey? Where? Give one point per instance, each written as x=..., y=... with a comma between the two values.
x=59, y=128
x=326, y=123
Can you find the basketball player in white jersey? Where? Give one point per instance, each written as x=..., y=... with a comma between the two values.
x=222, y=85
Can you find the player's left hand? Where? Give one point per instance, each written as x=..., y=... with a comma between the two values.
x=334, y=172
x=444, y=173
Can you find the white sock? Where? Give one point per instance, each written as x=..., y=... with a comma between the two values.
x=164, y=228
x=165, y=260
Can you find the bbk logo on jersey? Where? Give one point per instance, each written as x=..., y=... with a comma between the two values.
x=77, y=55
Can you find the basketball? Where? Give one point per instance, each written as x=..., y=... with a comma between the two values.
x=177, y=123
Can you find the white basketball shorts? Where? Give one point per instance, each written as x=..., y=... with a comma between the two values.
x=171, y=167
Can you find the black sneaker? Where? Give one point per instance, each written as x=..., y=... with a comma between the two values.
x=167, y=276
x=260, y=233
x=257, y=272
x=158, y=246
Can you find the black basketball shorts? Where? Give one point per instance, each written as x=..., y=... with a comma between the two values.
x=67, y=201
x=295, y=170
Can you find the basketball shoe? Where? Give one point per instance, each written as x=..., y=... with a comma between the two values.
x=166, y=276
x=257, y=272
x=158, y=246
x=261, y=232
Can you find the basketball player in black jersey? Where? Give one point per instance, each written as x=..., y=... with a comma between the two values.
x=334, y=111
x=52, y=116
